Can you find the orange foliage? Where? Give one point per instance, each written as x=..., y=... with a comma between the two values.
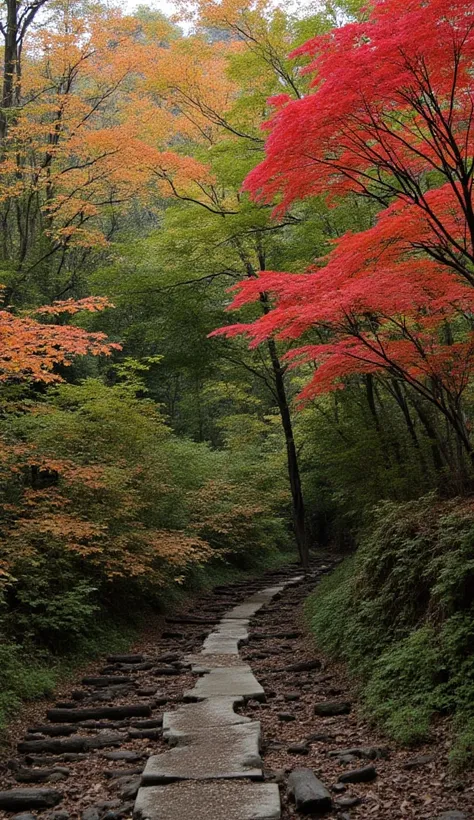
x=31, y=351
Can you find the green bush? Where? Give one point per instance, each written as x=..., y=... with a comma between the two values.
x=401, y=614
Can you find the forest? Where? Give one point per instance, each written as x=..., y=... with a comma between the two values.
x=236, y=331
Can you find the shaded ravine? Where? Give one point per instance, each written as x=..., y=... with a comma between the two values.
x=84, y=758
x=311, y=719
x=215, y=754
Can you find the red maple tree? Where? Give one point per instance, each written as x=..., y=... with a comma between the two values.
x=390, y=119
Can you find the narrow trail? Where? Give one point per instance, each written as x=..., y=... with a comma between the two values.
x=211, y=718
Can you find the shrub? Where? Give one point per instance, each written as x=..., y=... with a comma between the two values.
x=401, y=614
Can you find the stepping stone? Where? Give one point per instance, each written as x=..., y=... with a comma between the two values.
x=214, y=712
x=247, y=610
x=228, y=752
x=211, y=800
x=226, y=637
x=218, y=643
x=202, y=664
x=234, y=627
x=238, y=680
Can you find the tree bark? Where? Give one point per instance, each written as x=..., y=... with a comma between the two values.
x=10, y=63
x=299, y=520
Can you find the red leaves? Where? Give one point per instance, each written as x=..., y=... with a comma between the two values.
x=391, y=118
x=394, y=92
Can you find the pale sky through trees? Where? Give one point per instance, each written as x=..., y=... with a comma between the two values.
x=168, y=7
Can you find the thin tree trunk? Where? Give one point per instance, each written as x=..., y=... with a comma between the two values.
x=10, y=63
x=299, y=520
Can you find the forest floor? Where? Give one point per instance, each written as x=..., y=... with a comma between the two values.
x=100, y=782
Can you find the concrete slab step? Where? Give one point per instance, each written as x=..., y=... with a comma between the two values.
x=207, y=714
x=220, y=753
x=237, y=680
x=210, y=800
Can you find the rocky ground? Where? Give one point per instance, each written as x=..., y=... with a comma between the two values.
x=88, y=764
x=301, y=728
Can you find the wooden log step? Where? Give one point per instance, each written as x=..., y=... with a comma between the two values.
x=154, y=723
x=76, y=743
x=125, y=659
x=108, y=680
x=161, y=671
x=21, y=799
x=47, y=760
x=98, y=712
x=190, y=619
x=52, y=731
x=40, y=775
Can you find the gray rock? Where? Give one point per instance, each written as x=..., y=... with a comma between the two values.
x=125, y=659
x=367, y=752
x=92, y=813
x=309, y=793
x=452, y=815
x=76, y=743
x=418, y=762
x=109, y=804
x=62, y=814
x=348, y=802
x=113, y=774
x=332, y=708
x=96, y=713
x=286, y=717
x=125, y=755
x=129, y=787
x=24, y=816
x=338, y=788
x=29, y=799
x=364, y=775
x=298, y=749
x=347, y=759
x=57, y=777
x=304, y=666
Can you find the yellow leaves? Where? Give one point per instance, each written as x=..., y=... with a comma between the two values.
x=91, y=304
x=60, y=525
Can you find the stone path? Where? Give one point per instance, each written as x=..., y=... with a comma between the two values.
x=214, y=756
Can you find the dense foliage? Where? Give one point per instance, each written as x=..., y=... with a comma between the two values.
x=144, y=172
x=401, y=613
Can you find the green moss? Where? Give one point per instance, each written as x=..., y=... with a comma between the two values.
x=400, y=613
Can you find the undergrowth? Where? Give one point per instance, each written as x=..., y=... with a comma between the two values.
x=400, y=613
x=30, y=672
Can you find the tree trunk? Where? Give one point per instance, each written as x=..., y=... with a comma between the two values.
x=10, y=64
x=299, y=521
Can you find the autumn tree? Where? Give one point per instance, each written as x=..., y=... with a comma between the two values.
x=389, y=120
x=218, y=124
